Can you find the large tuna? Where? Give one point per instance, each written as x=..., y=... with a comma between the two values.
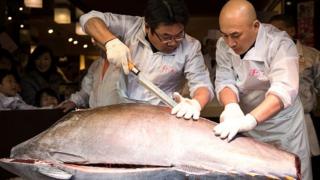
x=138, y=141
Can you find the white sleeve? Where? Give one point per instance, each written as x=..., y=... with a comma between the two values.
x=284, y=72
x=224, y=72
x=196, y=71
x=118, y=24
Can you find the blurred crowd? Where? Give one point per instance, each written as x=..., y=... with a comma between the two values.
x=31, y=81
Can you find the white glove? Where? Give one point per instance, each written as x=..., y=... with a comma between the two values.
x=230, y=127
x=186, y=107
x=118, y=54
x=231, y=111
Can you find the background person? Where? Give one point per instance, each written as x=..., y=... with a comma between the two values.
x=47, y=98
x=309, y=73
x=98, y=87
x=9, y=97
x=41, y=73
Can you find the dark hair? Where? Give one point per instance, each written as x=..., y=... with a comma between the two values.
x=4, y=73
x=4, y=54
x=167, y=12
x=48, y=91
x=38, y=51
x=288, y=20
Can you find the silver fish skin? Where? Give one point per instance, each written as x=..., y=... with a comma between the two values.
x=140, y=134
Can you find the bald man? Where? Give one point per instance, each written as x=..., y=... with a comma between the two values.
x=257, y=82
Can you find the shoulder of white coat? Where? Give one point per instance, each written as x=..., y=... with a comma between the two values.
x=221, y=44
x=274, y=35
x=276, y=39
x=190, y=43
x=106, y=15
x=189, y=40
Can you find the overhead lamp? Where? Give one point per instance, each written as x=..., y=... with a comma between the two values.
x=62, y=15
x=79, y=30
x=33, y=3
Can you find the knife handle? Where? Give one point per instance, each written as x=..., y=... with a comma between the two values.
x=131, y=66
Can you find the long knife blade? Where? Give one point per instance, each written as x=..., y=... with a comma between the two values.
x=147, y=83
x=156, y=90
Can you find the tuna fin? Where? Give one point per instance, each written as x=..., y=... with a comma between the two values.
x=54, y=172
x=68, y=157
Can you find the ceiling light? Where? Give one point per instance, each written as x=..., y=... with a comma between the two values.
x=20, y=8
x=50, y=31
x=85, y=46
x=70, y=39
x=9, y=18
x=21, y=26
x=289, y=3
x=75, y=42
x=33, y=3
x=62, y=15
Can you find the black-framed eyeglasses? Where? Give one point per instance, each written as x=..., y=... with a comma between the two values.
x=167, y=39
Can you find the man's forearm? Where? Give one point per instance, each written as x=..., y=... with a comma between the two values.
x=268, y=108
x=97, y=29
x=202, y=95
x=226, y=96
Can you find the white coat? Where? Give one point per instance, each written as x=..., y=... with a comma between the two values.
x=98, y=89
x=167, y=71
x=271, y=66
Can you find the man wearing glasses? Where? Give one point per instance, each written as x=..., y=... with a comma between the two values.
x=158, y=45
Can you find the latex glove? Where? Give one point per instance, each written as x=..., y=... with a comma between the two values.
x=118, y=54
x=231, y=111
x=186, y=107
x=230, y=127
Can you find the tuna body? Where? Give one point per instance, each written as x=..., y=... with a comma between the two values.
x=146, y=135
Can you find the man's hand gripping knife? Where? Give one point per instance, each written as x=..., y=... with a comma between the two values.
x=233, y=121
x=186, y=107
x=118, y=54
